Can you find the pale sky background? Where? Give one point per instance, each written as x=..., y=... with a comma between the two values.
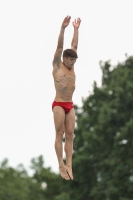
x=28, y=36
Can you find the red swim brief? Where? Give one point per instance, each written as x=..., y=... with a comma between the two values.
x=67, y=106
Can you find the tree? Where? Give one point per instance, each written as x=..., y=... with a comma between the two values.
x=13, y=183
x=103, y=146
x=49, y=181
x=16, y=184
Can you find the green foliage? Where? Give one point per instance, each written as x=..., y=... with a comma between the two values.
x=45, y=176
x=103, y=147
x=62, y=196
x=13, y=183
x=16, y=184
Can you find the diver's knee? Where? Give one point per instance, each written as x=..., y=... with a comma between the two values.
x=70, y=135
x=59, y=134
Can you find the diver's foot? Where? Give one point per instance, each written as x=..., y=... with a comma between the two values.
x=69, y=171
x=63, y=172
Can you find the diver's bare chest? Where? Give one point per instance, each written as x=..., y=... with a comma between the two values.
x=65, y=77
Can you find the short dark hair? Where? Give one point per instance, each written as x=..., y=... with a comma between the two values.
x=70, y=53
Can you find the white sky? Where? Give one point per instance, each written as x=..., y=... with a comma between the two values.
x=28, y=36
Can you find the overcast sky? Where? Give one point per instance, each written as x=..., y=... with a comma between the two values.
x=28, y=36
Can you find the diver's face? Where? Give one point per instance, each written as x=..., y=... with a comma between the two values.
x=69, y=62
